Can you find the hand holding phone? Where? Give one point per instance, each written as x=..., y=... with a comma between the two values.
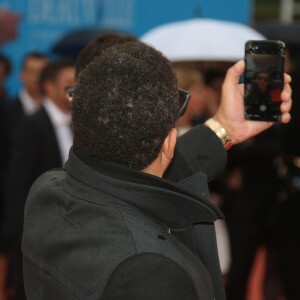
x=264, y=80
x=231, y=111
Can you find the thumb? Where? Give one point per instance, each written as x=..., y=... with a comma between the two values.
x=233, y=74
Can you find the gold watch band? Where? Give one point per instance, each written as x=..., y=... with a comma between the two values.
x=220, y=131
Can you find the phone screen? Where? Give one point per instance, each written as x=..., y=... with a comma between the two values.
x=263, y=81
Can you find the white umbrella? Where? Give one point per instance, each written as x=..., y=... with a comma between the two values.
x=201, y=40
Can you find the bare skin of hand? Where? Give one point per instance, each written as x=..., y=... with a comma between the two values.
x=231, y=111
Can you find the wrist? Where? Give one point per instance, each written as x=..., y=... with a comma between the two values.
x=220, y=131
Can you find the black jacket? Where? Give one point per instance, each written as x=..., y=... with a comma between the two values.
x=34, y=151
x=100, y=231
x=198, y=150
x=14, y=113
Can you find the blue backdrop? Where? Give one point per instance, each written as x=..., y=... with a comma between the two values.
x=44, y=21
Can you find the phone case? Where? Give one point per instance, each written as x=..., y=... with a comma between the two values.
x=264, y=79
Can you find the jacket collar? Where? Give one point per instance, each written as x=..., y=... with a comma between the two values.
x=164, y=201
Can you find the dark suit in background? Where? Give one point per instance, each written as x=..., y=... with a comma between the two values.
x=3, y=164
x=34, y=151
x=11, y=112
x=286, y=233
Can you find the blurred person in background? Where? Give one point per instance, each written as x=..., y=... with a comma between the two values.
x=203, y=104
x=192, y=80
x=214, y=80
x=40, y=142
x=285, y=235
x=26, y=103
x=5, y=68
x=250, y=193
x=30, y=98
x=267, y=163
x=250, y=168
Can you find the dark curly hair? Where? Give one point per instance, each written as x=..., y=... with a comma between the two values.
x=97, y=45
x=52, y=70
x=125, y=103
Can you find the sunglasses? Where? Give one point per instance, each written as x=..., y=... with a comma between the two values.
x=263, y=78
x=184, y=98
x=70, y=92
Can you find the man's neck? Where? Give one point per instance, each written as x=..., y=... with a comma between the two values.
x=153, y=170
x=36, y=97
x=29, y=104
x=158, y=166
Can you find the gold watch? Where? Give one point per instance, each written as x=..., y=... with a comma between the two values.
x=220, y=131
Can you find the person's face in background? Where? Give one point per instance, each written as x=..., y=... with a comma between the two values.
x=262, y=81
x=197, y=103
x=214, y=90
x=55, y=90
x=30, y=74
x=192, y=80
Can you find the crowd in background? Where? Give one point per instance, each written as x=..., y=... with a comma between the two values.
x=259, y=191
x=38, y=135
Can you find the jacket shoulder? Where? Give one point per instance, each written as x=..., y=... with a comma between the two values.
x=47, y=179
x=42, y=187
x=198, y=150
x=74, y=241
x=150, y=276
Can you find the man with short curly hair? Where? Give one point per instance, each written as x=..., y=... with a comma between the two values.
x=128, y=119
x=108, y=226
x=198, y=151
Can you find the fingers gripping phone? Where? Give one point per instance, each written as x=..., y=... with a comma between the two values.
x=264, y=79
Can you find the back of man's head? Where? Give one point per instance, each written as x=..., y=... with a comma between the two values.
x=97, y=45
x=125, y=104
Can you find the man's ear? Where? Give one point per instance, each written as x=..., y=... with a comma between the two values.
x=169, y=144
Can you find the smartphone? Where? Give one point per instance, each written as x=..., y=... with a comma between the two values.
x=263, y=79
